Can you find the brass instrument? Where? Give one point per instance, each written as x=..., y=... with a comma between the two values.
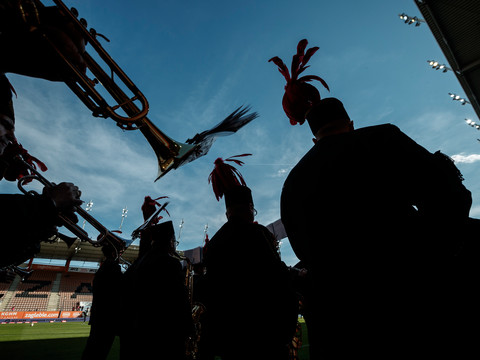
x=130, y=110
x=170, y=153
x=24, y=273
x=197, y=311
x=105, y=237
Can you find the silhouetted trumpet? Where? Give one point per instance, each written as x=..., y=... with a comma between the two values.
x=170, y=153
x=24, y=273
x=105, y=236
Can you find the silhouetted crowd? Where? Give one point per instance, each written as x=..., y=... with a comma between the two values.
x=388, y=253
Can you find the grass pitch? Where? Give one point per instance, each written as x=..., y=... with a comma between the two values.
x=61, y=341
x=52, y=341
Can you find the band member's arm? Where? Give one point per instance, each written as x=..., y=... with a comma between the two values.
x=65, y=197
x=25, y=50
x=27, y=220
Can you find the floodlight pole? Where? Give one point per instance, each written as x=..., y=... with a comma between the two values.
x=180, y=232
x=456, y=97
x=88, y=207
x=437, y=66
x=472, y=124
x=124, y=215
x=409, y=20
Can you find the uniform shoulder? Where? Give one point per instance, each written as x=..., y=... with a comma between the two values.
x=380, y=128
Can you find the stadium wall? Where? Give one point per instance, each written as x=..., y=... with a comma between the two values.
x=35, y=315
x=48, y=291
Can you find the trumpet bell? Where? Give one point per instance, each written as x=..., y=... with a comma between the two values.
x=129, y=108
x=170, y=153
x=109, y=93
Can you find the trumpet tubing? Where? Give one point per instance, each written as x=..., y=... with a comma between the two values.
x=105, y=237
x=22, y=272
x=197, y=311
x=170, y=153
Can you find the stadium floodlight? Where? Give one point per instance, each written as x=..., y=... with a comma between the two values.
x=456, y=97
x=410, y=20
x=88, y=207
x=124, y=215
x=437, y=66
x=180, y=232
x=472, y=124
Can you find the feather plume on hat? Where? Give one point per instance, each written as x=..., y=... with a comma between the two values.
x=149, y=207
x=15, y=169
x=299, y=95
x=227, y=180
x=224, y=176
x=151, y=214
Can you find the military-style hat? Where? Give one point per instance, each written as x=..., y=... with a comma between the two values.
x=300, y=96
x=227, y=180
x=162, y=232
x=324, y=111
x=149, y=207
x=151, y=214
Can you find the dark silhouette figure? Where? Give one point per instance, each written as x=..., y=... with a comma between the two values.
x=24, y=49
x=26, y=220
x=252, y=307
x=382, y=226
x=155, y=284
x=106, y=308
x=376, y=219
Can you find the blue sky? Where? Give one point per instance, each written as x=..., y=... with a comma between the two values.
x=196, y=61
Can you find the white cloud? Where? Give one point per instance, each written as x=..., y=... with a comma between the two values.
x=475, y=212
x=467, y=159
x=281, y=172
x=117, y=169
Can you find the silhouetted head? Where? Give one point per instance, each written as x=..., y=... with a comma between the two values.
x=161, y=236
x=228, y=181
x=239, y=204
x=326, y=112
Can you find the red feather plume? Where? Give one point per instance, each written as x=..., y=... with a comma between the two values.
x=149, y=207
x=224, y=176
x=299, y=96
x=17, y=170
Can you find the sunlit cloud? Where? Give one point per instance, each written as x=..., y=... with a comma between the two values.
x=466, y=159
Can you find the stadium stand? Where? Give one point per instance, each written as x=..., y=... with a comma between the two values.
x=56, y=288
x=47, y=290
x=75, y=288
x=33, y=294
x=3, y=289
x=62, y=288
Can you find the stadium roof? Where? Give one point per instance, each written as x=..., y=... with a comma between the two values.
x=84, y=251
x=456, y=27
x=79, y=251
